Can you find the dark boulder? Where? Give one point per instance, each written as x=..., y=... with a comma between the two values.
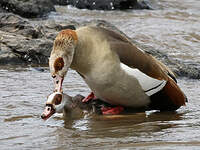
x=109, y=4
x=25, y=41
x=22, y=41
x=28, y=8
x=60, y=2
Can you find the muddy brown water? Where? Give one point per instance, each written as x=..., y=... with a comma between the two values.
x=173, y=28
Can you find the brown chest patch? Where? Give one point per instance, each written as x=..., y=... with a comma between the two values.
x=58, y=64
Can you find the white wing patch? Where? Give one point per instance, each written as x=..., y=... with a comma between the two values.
x=148, y=84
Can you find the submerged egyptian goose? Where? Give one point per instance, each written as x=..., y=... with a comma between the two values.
x=115, y=70
x=62, y=103
x=73, y=107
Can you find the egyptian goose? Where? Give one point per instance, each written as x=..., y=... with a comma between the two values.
x=62, y=103
x=73, y=107
x=115, y=70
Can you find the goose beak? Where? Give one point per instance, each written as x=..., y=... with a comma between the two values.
x=48, y=112
x=58, y=80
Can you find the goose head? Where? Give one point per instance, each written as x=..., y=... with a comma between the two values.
x=62, y=56
x=62, y=103
x=53, y=100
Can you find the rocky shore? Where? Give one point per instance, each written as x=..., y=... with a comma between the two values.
x=38, y=8
x=29, y=41
x=109, y=4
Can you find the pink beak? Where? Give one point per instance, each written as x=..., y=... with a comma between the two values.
x=48, y=112
x=58, y=80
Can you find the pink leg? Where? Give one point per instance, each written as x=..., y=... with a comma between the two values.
x=89, y=97
x=112, y=110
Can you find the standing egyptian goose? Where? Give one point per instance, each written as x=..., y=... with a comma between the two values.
x=115, y=70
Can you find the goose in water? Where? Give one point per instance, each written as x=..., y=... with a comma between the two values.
x=115, y=70
x=73, y=107
x=62, y=103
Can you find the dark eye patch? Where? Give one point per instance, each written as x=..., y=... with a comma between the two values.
x=58, y=64
x=50, y=106
x=58, y=99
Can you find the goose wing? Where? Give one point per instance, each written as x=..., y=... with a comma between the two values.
x=133, y=57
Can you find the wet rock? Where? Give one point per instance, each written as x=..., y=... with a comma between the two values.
x=180, y=68
x=25, y=41
x=109, y=4
x=2, y=10
x=28, y=8
x=22, y=41
x=60, y=2
x=16, y=48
